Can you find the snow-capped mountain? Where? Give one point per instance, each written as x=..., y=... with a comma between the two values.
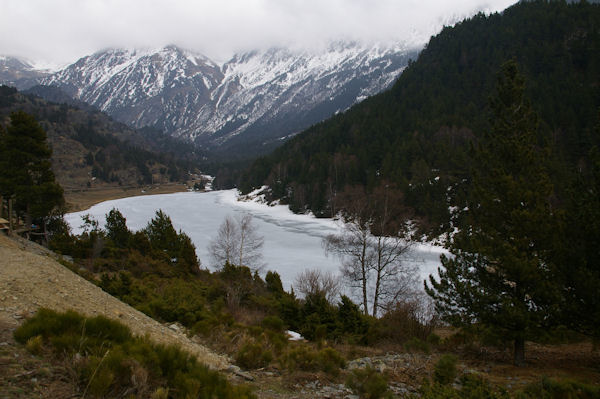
x=18, y=72
x=253, y=99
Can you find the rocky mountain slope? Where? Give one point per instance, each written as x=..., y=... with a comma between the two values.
x=249, y=102
x=89, y=149
x=18, y=72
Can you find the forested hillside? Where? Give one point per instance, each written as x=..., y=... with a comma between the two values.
x=416, y=136
x=90, y=149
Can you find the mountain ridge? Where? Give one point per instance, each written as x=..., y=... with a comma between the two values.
x=246, y=104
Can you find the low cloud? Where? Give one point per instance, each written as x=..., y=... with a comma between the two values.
x=61, y=31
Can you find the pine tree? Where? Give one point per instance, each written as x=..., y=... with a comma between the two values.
x=498, y=275
x=25, y=168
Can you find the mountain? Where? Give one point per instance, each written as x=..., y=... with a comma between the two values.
x=18, y=72
x=247, y=104
x=417, y=135
x=90, y=149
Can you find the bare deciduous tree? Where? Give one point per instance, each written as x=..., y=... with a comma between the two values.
x=237, y=243
x=223, y=248
x=373, y=247
x=250, y=243
x=311, y=282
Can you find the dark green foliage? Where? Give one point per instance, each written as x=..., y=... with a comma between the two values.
x=319, y=317
x=368, y=384
x=422, y=128
x=444, y=371
x=114, y=152
x=116, y=229
x=273, y=281
x=305, y=358
x=553, y=389
x=415, y=344
x=579, y=253
x=176, y=248
x=253, y=356
x=25, y=170
x=111, y=356
x=499, y=273
x=471, y=387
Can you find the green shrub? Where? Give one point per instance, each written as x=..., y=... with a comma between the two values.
x=417, y=345
x=445, y=370
x=35, y=344
x=113, y=361
x=273, y=323
x=368, y=383
x=553, y=389
x=253, y=356
x=330, y=361
x=471, y=387
x=300, y=358
x=434, y=339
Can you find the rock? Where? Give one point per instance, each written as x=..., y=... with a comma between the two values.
x=174, y=327
x=244, y=375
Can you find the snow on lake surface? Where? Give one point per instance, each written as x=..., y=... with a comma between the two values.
x=292, y=242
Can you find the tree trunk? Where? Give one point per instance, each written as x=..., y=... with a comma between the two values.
x=10, y=220
x=519, y=354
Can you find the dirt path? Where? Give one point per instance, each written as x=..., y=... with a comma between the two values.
x=31, y=278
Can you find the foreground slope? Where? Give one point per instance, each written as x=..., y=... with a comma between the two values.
x=31, y=278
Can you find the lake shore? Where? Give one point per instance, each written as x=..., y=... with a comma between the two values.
x=80, y=200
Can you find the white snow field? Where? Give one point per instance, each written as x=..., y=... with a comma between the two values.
x=292, y=242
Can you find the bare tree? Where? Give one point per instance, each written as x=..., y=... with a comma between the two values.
x=237, y=243
x=223, y=248
x=354, y=249
x=373, y=247
x=311, y=282
x=250, y=243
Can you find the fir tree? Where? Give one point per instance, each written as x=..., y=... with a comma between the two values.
x=25, y=168
x=498, y=275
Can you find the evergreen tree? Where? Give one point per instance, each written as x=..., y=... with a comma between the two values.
x=498, y=275
x=178, y=247
x=580, y=253
x=25, y=168
x=116, y=229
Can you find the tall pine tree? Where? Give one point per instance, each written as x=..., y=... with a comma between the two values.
x=25, y=168
x=498, y=275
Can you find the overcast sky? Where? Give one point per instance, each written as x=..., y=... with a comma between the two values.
x=61, y=31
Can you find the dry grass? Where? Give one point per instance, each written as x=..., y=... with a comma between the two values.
x=78, y=200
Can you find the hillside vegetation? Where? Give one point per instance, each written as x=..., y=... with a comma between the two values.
x=417, y=135
x=89, y=149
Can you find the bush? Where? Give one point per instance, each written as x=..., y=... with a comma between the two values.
x=330, y=361
x=113, y=361
x=253, y=356
x=551, y=389
x=417, y=345
x=472, y=387
x=368, y=383
x=300, y=358
x=273, y=323
x=445, y=370
x=34, y=345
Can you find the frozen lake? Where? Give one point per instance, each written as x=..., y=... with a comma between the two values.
x=292, y=242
